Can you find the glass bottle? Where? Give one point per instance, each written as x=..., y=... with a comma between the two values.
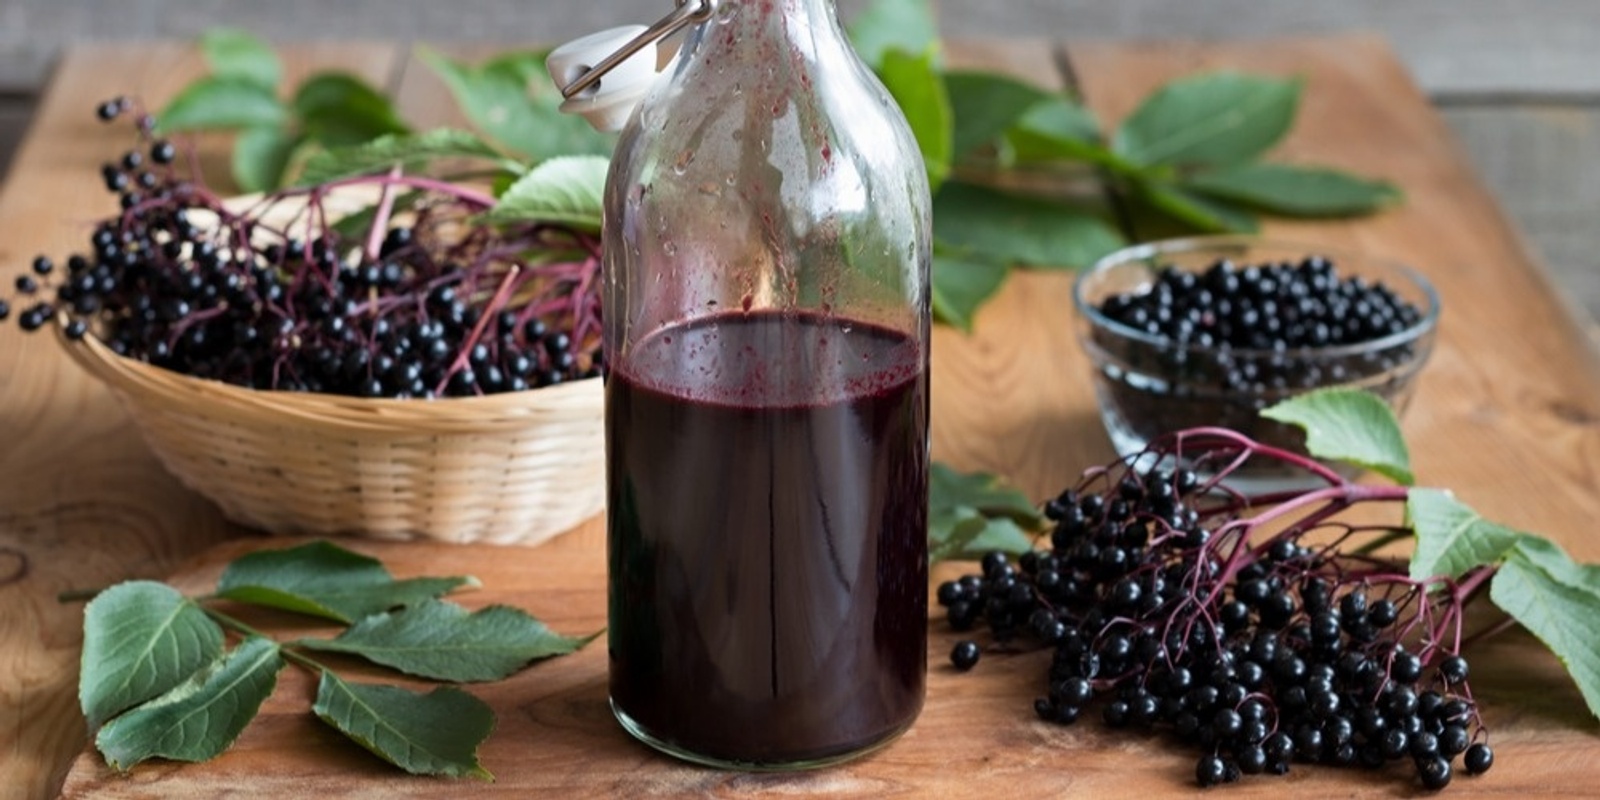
x=766, y=295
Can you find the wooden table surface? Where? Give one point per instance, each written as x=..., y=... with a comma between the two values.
x=1506, y=415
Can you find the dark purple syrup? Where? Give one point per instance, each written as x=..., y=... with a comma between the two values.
x=768, y=488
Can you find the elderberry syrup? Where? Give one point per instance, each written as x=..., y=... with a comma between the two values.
x=769, y=537
x=767, y=242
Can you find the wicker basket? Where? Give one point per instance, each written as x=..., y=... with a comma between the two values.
x=513, y=468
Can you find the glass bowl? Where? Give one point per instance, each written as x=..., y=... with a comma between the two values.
x=1149, y=383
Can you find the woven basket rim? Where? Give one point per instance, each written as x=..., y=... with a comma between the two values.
x=482, y=413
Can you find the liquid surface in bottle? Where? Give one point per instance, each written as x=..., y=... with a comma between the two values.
x=768, y=536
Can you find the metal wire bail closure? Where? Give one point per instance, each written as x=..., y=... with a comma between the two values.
x=627, y=55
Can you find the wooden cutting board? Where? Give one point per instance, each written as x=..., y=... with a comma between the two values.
x=977, y=733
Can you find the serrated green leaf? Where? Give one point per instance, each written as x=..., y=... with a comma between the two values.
x=1452, y=538
x=216, y=102
x=236, y=53
x=409, y=151
x=1003, y=534
x=261, y=157
x=950, y=488
x=340, y=110
x=511, y=100
x=916, y=86
x=444, y=642
x=884, y=25
x=1349, y=425
x=1062, y=129
x=1548, y=556
x=1562, y=616
x=325, y=580
x=984, y=105
x=951, y=533
x=1019, y=230
x=1209, y=119
x=140, y=639
x=198, y=719
x=970, y=514
x=437, y=733
x=569, y=189
x=961, y=285
x=1196, y=211
x=1296, y=191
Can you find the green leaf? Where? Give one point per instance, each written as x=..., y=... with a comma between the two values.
x=985, y=105
x=1452, y=538
x=140, y=639
x=1212, y=216
x=1296, y=191
x=236, y=53
x=261, y=157
x=1015, y=229
x=437, y=733
x=217, y=102
x=442, y=641
x=952, y=532
x=884, y=25
x=987, y=493
x=1555, y=562
x=1209, y=119
x=409, y=151
x=339, y=110
x=1062, y=129
x=1561, y=615
x=1350, y=425
x=325, y=580
x=915, y=84
x=973, y=513
x=511, y=99
x=198, y=719
x=961, y=284
x=570, y=190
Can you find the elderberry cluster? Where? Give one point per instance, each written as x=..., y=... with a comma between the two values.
x=179, y=280
x=1257, y=655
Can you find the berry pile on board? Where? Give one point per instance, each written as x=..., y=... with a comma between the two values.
x=1169, y=609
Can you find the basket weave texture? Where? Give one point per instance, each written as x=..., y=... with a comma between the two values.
x=512, y=468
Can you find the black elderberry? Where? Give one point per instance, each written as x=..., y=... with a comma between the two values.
x=163, y=152
x=1453, y=669
x=1210, y=771
x=1478, y=759
x=1405, y=668
x=1434, y=772
x=964, y=655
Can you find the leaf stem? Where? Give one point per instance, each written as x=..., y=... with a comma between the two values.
x=240, y=626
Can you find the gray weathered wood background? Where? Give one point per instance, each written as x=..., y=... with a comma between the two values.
x=1518, y=81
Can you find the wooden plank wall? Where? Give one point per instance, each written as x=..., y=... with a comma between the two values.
x=1518, y=82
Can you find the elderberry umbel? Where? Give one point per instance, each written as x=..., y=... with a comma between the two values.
x=1250, y=628
x=410, y=298
x=1209, y=332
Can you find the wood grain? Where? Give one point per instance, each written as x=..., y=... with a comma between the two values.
x=1506, y=415
x=82, y=501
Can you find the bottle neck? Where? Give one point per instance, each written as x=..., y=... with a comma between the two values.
x=810, y=25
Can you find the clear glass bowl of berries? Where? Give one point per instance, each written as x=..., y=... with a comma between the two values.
x=1208, y=331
